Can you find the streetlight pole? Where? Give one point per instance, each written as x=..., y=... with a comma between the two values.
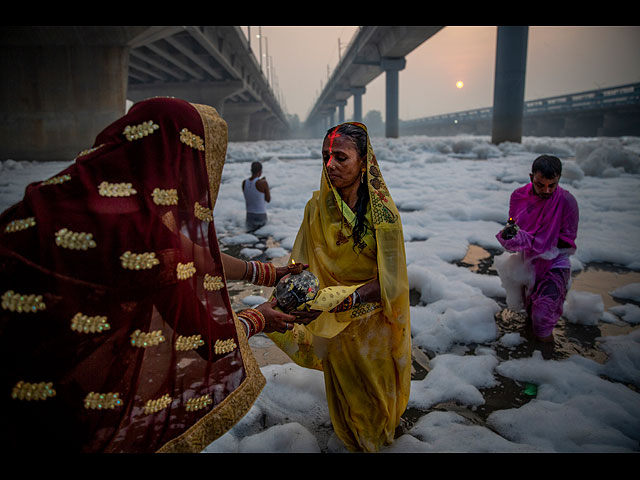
x=260, y=37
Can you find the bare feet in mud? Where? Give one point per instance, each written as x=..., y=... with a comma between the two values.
x=547, y=339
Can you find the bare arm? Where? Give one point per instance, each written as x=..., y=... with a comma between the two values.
x=234, y=268
x=263, y=187
x=370, y=292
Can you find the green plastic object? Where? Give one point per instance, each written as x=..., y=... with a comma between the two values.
x=530, y=389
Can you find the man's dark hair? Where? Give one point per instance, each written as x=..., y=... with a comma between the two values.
x=256, y=167
x=548, y=165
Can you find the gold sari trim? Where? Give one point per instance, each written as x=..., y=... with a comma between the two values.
x=18, y=302
x=216, y=133
x=20, y=224
x=236, y=405
x=153, y=406
x=89, y=150
x=102, y=401
x=33, y=391
x=138, y=261
x=74, y=240
x=122, y=189
x=202, y=213
x=213, y=283
x=165, y=196
x=191, y=139
x=136, y=132
x=57, y=179
x=85, y=324
x=228, y=412
x=185, y=270
x=147, y=339
x=198, y=403
x=222, y=347
x=192, y=342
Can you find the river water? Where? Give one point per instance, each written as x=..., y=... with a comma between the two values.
x=569, y=339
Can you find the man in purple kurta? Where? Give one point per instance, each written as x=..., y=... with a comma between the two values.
x=543, y=226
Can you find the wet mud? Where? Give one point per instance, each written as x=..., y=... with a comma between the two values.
x=569, y=339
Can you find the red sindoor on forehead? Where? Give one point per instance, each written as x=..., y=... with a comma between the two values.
x=331, y=138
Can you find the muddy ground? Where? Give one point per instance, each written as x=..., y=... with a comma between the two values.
x=570, y=339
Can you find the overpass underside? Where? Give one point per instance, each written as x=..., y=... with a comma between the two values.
x=60, y=86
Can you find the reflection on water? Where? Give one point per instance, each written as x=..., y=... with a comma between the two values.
x=602, y=280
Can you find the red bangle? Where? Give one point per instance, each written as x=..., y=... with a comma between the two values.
x=255, y=320
x=263, y=274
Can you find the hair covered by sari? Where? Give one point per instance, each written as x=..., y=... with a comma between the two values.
x=116, y=328
x=364, y=352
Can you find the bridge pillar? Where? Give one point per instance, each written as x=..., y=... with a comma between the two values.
x=341, y=104
x=357, y=102
x=60, y=86
x=258, y=124
x=332, y=116
x=508, y=94
x=392, y=67
x=238, y=118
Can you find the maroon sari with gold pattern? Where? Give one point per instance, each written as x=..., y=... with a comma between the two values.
x=116, y=329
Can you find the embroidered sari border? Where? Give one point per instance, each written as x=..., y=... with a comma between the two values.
x=228, y=412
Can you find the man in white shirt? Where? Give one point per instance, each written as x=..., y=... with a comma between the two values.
x=256, y=195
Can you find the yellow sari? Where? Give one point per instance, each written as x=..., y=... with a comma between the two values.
x=365, y=352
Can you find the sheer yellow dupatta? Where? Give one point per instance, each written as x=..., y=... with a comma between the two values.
x=324, y=242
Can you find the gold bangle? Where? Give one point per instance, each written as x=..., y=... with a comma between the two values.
x=272, y=280
x=246, y=269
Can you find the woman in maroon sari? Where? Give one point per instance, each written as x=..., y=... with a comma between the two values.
x=116, y=329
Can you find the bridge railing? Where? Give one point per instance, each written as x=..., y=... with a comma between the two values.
x=628, y=94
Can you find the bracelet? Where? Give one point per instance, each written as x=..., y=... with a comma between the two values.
x=246, y=325
x=254, y=320
x=263, y=274
x=348, y=303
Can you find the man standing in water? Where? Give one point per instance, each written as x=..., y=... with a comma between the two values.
x=543, y=226
x=256, y=196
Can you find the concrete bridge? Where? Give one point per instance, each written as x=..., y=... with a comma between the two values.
x=373, y=51
x=612, y=111
x=61, y=85
x=378, y=49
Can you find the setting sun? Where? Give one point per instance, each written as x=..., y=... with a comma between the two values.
x=459, y=84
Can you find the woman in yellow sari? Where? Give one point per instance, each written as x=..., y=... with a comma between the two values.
x=351, y=238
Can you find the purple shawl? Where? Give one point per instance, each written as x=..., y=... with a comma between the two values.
x=542, y=222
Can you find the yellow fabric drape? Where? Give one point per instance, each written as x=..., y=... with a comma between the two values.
x=365, y=352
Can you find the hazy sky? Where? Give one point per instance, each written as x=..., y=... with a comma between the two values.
x=560, y=60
